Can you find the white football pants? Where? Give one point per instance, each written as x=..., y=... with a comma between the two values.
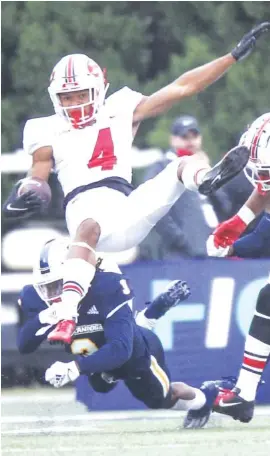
x=126, y=220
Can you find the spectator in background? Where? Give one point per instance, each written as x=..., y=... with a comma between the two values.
x=185, y=229
x=186, y=138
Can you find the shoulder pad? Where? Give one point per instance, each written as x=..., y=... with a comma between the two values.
x=39, y=132
x=124, y=101
x=109, y=290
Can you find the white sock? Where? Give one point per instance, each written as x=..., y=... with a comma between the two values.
x=253, y=365
x=142, y=320
x=78, y=275
x=193, y=173
x=193, y=404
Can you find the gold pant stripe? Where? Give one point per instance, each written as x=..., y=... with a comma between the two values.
x=160, y=375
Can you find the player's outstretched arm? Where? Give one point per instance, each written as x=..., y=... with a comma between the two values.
x=252, y=245
x=38, y=320
x=196, y=80
x=31, y=335
x=36, y=324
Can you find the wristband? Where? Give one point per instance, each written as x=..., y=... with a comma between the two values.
x=246, y=215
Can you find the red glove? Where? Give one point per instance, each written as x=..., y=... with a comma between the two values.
x=229, y=231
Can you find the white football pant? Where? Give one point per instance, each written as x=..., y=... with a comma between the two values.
x=126, y=220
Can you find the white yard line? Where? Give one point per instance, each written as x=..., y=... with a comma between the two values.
x=37, y=398
x=111, y=447
x=110, y=416
x=95, y=416
x=50, y=430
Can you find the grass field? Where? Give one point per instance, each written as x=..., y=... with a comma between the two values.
x=52, y=424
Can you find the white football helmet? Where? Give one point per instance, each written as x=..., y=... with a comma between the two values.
x=48, y=270
x=78, y=72
x=257, y=139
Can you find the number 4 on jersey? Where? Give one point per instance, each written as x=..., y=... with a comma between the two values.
x=103, y=154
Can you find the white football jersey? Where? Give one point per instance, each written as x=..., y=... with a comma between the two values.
x=83, y=156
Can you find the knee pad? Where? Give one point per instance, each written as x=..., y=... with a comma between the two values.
x=263, y=301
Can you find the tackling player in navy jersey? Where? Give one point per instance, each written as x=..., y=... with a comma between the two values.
x=107, y=342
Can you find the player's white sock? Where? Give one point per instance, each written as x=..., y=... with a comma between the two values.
x=142, y=320
x=254, y=362
x=78, y=274
x=193, y=404
x=193, y=173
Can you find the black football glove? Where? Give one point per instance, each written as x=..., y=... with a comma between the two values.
x=22, y=207
x=247, y=43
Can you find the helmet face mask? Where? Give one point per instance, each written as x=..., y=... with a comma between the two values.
x=78, y=106
x=257, y=139
x=50, y=290
x=77, y=73
x=48, y=270
x=259, y=176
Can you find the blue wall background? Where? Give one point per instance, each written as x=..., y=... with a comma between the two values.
x=204, y=336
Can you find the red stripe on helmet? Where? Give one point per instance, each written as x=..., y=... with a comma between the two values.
x=70, y=70
x=253, y=153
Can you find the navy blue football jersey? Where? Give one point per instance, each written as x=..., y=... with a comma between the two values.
x=106, y=338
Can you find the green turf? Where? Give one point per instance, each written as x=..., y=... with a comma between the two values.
x=139, y=437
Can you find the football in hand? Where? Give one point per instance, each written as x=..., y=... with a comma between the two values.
x=38, y=186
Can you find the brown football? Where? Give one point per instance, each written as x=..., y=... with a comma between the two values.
x=38, y=186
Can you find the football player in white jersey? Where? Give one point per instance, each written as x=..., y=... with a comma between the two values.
x=239, y=403
x=88, y=141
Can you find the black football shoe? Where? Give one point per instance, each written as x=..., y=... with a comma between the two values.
x=176, y=292
x=230, y=165
x=231, y=404
x=196, y=419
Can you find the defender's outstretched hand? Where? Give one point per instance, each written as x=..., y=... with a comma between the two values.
x=247, y=43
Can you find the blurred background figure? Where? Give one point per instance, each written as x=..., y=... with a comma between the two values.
x=186, y=138
x=184, y=230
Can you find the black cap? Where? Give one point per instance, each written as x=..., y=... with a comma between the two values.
x=182, y=125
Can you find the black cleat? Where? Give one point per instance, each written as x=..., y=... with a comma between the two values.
x=230, y=403
x=197, y=419
x=230, y=165
x=176, y=292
